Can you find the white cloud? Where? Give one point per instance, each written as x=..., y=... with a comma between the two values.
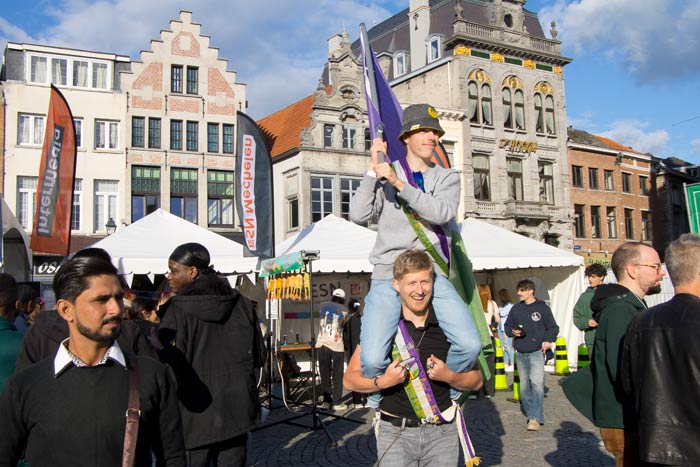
x=655, y=40
x=636, y=135
x=277, y=48
x=695, y=147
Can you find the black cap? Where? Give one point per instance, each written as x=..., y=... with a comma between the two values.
x=419, y=116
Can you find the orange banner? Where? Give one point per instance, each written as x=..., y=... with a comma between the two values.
x=54, y=193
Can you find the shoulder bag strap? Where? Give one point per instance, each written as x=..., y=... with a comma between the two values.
x=133, y=413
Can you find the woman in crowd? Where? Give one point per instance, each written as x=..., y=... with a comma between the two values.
x=506, y=342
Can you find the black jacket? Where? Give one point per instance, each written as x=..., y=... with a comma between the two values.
x=352, y=326
x=214, y=330
x=661, y=370
x=538, y=325
x=42, y=338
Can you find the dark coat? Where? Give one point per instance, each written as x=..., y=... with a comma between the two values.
x=213, y=329
x=661, y=371
x=10, y=340
x=352, y=326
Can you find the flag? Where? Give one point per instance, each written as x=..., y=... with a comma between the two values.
x=254, y=189
x=692, y=202
x=384, y=113
x=54, y=194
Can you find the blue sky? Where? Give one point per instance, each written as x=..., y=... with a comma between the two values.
x=634, y=77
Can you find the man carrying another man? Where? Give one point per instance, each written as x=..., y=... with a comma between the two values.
x=407, y=432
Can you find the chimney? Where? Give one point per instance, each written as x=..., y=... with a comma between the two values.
x=419, y=29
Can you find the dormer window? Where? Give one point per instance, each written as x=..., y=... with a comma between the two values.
x=434, y=49
x=400, y=64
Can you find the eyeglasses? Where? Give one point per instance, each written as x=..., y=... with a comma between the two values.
x=658, y=267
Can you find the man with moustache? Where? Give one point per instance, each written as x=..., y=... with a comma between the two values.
x=638, y=270
x=70, y=409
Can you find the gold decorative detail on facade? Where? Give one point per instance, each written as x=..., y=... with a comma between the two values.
x=529, y=64
x=557, y=70
x=480, y=76
x=513, y=82
x=496, y=57
x=544, y=88
x=462, y=50
x=513, y=145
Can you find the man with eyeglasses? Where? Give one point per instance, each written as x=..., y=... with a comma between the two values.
x=638, y=270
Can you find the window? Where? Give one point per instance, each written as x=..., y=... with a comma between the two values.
x=629, y=224
x=546, y=172
x=348, y=186
x=479, y=98
x=611, y=220
x=78, y=124
x=577, y=176
x=626, y=182
x=348, y=138
x=579, y=221
x=80, y=73
x=106, y=196
x=77, y=202
x=368, y=139
x=176, y=79
x=608, y=180
x=154, y=133
x=544, y=108
x=192, y=80
x=212, y=137
x=595, y=222
x=26, y=198
x=137, y=129
x=176, y=135
x=30, y=129
x=145, y=191
x=321, y=197
x=183, y=193
x=106, y=134
x=38, y=67
x=59, y=71
x=192, y=136
x=515, y=178
x=400, y=65
x=646, y=226
x=643, y=185
x=434, y=48
x=99, y=75
x=328, y=136
x=293, y=213
x=228, y=138
x=482, y=188
x=220, y=191
x=593, y=178
x=513, y=103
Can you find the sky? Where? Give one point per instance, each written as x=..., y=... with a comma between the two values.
x=634, y=75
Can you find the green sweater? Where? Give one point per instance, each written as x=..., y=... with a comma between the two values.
x=583, y=313
x=614, y=306
x=10, y=341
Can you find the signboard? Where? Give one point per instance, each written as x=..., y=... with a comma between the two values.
x=45, y=265
x=577, y=247
x=692, y=201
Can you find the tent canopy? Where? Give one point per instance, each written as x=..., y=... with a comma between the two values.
x=491, y=247
x=144, y=246
x=17, y=257
x=343, y=246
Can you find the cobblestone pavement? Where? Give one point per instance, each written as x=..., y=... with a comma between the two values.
x=496, y=426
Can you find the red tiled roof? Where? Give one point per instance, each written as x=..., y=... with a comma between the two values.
x=614, y=144
x=283, y=128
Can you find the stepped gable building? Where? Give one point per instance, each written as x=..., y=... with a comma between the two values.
x=181, y=110
x=497, y=84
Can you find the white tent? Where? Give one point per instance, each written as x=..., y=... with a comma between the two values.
x=503, y=258
x=144, y=246
x=16, y=255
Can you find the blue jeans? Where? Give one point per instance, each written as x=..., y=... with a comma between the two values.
x=381, y=318
x=423, y=445
x=531, y=372
x=507, y=345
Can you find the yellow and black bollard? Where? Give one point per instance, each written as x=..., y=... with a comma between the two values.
x=583, y=358
x=561, y=365
x=516, y=380
x=500, y=382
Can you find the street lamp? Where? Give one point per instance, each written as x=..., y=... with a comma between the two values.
x=111, y=226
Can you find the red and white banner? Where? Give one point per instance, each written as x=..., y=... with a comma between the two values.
x=54, y=193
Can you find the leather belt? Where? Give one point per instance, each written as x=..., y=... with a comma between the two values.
x=398, y=421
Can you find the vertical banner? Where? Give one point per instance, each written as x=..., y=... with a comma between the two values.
x=254, y=189
x=54, y=193
x=692, y=202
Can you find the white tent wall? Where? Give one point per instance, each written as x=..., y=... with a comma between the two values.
x=560, y=287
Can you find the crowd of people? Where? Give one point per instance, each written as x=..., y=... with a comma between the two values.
x=168, y=380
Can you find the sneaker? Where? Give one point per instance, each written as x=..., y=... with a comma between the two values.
x=338, y=407
x=358, y=406
x=533, y=425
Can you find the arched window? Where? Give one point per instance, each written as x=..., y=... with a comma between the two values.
x=479, y=107
x=544, y=108
x=399, y=64
x=513, y=104
x=434, y=48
